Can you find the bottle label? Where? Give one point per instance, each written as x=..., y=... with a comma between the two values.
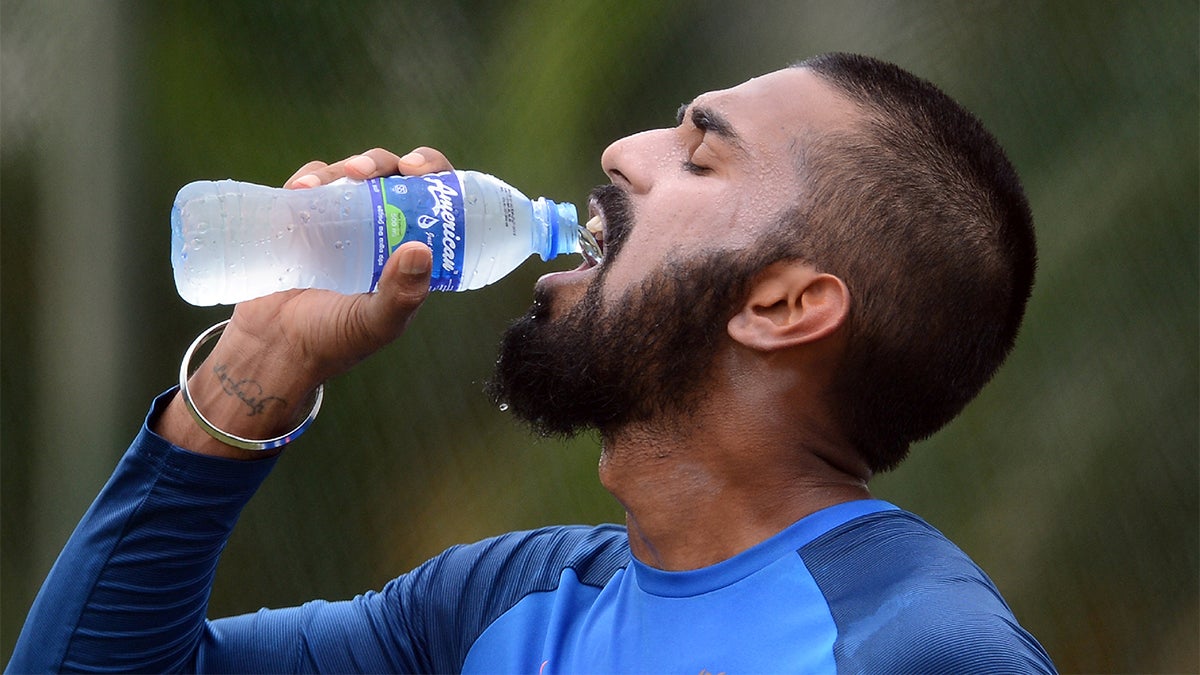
x=433, y=203
x=389, y=223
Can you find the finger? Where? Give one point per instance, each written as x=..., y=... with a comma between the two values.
x=403, y=286
x=320, y=173
x=372, y=164
x=424, y=160
x=303, y=173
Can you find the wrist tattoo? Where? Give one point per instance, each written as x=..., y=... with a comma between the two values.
x=247, y=391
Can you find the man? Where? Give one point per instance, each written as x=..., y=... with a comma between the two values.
x=808, y=273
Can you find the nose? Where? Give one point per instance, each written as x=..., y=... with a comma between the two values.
x=630, y=162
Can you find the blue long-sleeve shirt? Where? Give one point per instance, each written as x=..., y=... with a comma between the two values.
x=858, y=587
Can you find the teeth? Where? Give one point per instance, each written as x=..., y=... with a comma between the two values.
x=595, y=226
x=590, y=237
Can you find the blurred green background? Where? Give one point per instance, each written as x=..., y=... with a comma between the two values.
x=1073, y=480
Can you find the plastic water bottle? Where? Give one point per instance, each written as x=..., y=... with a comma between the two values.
x=233, y=241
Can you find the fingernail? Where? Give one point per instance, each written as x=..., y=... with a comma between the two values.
x=414, y=261
x=365, y=165
x=307, y=180
x=413, y=158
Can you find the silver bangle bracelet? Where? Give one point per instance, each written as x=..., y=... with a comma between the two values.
x=220, y=434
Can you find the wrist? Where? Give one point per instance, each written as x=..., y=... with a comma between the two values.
x=242, y=401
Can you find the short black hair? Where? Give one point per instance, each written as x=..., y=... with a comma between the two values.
x=921, y=214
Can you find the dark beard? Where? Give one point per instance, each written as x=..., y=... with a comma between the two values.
x=646, y=358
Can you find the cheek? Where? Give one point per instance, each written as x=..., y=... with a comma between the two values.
x=680, y=224
x=623, y=273
x=647, y=246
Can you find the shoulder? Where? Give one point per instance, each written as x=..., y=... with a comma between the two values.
x=449, y=600
x=537, y=557
x=485, y=579
x=904, y=597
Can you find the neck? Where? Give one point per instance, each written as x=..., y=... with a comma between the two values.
x=696, y=498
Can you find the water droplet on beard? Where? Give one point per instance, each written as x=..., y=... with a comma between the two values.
x=503, y=407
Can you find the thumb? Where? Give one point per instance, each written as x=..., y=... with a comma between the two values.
x=403, y=286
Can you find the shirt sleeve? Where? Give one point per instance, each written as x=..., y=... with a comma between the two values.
x=425, y=621
x=907, y=600
x=130, y=589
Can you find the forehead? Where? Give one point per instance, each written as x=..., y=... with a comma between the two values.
x=779, y=109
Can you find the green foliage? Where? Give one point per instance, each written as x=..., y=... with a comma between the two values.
x=1072, y=480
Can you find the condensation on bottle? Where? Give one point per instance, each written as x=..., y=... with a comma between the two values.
x=233, y=241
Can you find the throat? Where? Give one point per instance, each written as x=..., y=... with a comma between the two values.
x=671, y=507
x=690, y=507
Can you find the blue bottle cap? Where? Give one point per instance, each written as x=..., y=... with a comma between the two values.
x=563, y=220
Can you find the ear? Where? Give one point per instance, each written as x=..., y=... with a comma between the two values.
x=791, y=304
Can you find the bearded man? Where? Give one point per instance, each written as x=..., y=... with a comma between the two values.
x=808, y=273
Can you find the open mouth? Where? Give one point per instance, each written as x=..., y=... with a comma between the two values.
x=591, y=240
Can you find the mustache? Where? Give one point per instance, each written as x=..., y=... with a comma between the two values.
x=617, y=208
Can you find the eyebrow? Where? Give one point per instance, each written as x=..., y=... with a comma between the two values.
x=708, y=120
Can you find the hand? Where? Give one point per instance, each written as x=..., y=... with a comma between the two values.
x=329, y=331
x=277, y=349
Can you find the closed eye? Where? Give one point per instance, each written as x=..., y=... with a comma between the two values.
x=708, y=120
